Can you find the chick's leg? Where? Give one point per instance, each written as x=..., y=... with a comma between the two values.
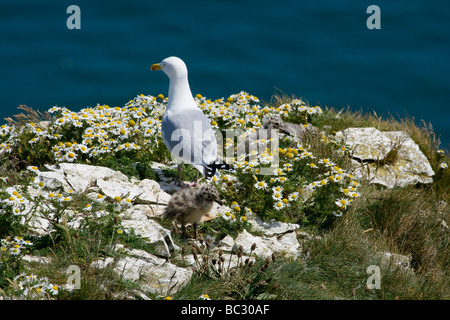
x=195, y=230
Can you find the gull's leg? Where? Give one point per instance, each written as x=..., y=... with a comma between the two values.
x=195, y=230
x=179, y=173
x=175, y=229
x=179, y=183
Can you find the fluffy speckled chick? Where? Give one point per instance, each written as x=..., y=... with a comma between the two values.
x=275, y=122
x=187, y=206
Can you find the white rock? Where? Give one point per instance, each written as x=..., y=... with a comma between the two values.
x=141, y=254
x=366, y=143
x=152, y=193
x=389, y=259
x=143, y=212
x=79, y=177
x=36, y=259
x=117, y=188
x=40, y=226
x=158, y=279
x=154, y=234
x=53, y=179
x=272, y=227
x=168, y=187
x=150, y=273
x=102, y=263
x=370, y=145
x=265, y=246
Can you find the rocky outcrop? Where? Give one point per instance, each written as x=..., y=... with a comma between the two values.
x=155, y=272
x=388, y=158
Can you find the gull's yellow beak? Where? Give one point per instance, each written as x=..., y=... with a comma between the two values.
x=155, y=66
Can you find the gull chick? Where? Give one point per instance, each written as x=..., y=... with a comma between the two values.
x=292, y=129
x=188, y=206
x=185, y=129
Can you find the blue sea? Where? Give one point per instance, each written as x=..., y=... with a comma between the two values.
x=321, y=51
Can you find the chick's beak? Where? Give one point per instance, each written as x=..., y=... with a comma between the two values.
x=219, y=201
x=155, y=66
x=285, y=131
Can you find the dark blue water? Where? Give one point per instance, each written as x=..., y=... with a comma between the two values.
x=319, y=50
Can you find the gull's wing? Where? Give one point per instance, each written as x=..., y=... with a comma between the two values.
x=189, y=136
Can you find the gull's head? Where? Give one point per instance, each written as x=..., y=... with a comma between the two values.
x=174, y=67
x=209, y=192
x=275, y=122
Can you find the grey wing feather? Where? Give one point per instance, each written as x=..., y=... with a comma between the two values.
x=182, y=134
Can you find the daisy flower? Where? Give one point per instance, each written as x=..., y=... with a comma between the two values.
x=261, y=185
x=53, y=289
x=354, y=194
x=100, y=198
x=279, y=205
x=126, y=202
x=443, y=165
x=33, y=168
x=277, y=196
x=205, y=297
x=312, y=165
x=293, y=196
x=327, y=162
x=277, y=189
x=65, y=199
x=71, y=156
x=281, y=179
x=15, y=250
x=342, y=203
x=226, y=215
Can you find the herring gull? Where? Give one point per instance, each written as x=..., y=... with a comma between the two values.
x=185, y=129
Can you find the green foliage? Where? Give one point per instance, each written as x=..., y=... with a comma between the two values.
x=356, y=222
x=128, y=166
x=188, y=173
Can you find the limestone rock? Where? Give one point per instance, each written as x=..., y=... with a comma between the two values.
x=150, y=272
x=272, y=227
x=397, y=260
x=117, y=188
x=371, y=150
x=143, y=212
x=152, y=193
x=36, y=259
x=154, y=234
x=265, y=246
x=78, y=177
